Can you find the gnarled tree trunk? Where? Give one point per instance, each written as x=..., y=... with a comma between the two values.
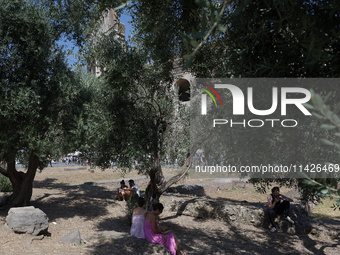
x=22, y=183
x=158, y=185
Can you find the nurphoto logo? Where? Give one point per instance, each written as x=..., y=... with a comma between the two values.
x=264, y=127
x=238, y=101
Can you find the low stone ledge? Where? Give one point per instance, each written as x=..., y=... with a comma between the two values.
x=251, y=214
x=228, y=211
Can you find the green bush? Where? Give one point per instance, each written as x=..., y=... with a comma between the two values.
x=5, y=184
x=131, y=204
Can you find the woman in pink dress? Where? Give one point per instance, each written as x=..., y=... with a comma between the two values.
x=138, y=217
x=155, y=234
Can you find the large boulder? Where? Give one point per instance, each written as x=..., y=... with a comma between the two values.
x=27, y=220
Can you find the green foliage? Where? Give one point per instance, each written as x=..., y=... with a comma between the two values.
x=76, y=19
x=210, y=26
x=241, y=38
x=131, y=204
x=134, y=108
x=41, y=97
x=5, y=184
x=280, y=39
x=127, y=116
x=252, y=39
x=273, y=39
x=262, y=185
x=161, y=35
x=326, y=187
x=177, y=136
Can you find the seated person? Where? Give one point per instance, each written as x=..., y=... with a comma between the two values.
x=155, y=234
x=278, y=204
x=119, y=190
x=138, y=217
x=133, y=191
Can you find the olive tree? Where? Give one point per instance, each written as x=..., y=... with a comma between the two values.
x=40, y=98
x=136, y=119
x=273, y=39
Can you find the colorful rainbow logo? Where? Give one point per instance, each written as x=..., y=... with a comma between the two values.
x=209, y=93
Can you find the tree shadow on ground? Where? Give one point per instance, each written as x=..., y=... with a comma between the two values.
x=228, y=239
x=117, y=224
x=238, y=242
x=317, y=247
x=66, y=201
x=90, y=201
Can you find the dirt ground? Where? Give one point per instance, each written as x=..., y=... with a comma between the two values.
x=73, y=200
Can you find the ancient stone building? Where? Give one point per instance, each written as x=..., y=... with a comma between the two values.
x=183, y=80
x=109, y=23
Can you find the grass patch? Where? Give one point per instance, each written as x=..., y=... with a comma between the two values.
x=131, y=204
x=324, y=210
x=244, y=194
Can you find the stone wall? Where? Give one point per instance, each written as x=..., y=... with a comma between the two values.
x=250, y=214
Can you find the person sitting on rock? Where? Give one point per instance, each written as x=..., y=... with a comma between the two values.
x=278, y=204
x=138, y=217
x=160, y=235
x=120, y=190
x=131, y=192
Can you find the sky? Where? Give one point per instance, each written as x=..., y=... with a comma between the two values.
x=128, y=27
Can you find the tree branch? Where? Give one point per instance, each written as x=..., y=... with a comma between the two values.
x=3, y=171
x=184, y=169
x=211, y=30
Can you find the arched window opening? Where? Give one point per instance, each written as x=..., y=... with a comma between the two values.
x=183, y=90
